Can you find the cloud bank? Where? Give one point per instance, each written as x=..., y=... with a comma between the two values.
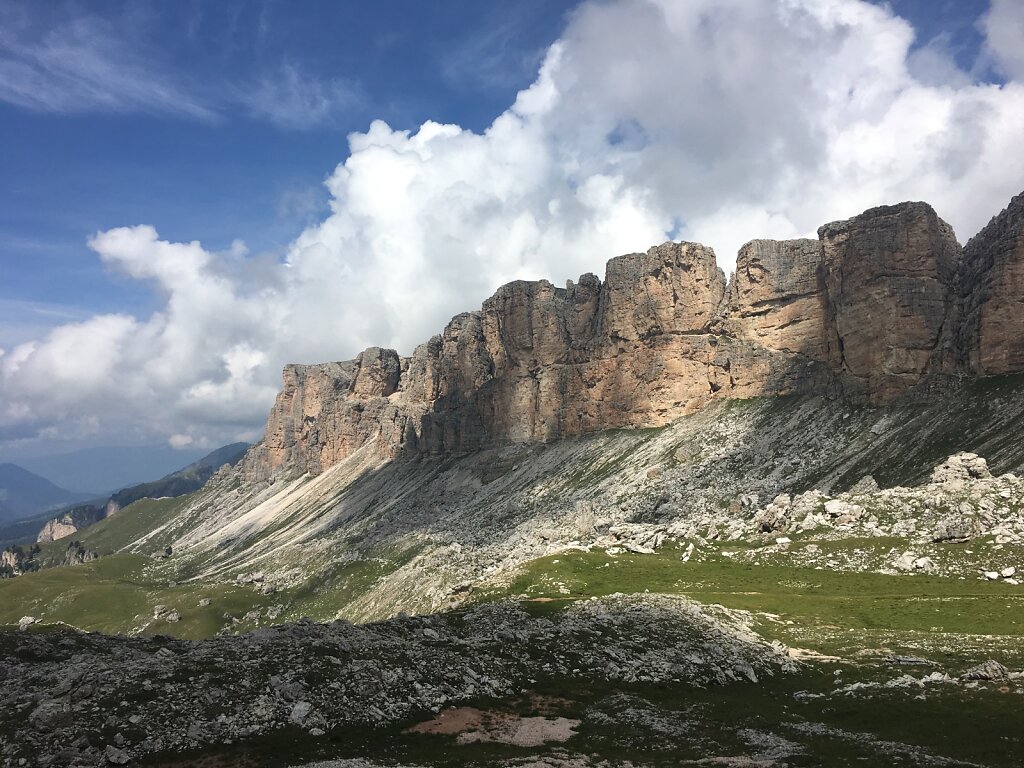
x=711, y=120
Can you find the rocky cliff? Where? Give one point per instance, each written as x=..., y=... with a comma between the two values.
x=876, y=306
x=992, y=294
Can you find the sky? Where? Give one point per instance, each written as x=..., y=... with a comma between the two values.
x=196, y=193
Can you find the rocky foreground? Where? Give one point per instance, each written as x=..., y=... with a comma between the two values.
x=68, y=698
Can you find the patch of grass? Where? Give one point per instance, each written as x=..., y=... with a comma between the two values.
x=131, y=523
x=102, y=595
x=343, y=583
x=115, y=595
x=801, y=603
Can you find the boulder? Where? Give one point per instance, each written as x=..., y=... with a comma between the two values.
x=956, y=528
x=116, y=756
x=961, y=467
x=905, y=562
x=988, y=670
x=836, y=508
x=864, y=486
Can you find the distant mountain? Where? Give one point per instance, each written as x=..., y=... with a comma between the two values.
x=24, y=493
x=186, y=480
x=99, y=471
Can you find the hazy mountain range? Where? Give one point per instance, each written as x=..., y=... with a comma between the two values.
x=24, y=493
x=104, y=469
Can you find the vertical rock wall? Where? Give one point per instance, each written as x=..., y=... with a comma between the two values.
x=876, y=305
x=992, y=292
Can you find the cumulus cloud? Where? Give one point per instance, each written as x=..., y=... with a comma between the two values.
x=1003, y=26
x=710, y=120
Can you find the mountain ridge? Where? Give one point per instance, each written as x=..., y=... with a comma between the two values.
x=24, y=493
x=185, y=480
x=881, y=305
x=103, y=470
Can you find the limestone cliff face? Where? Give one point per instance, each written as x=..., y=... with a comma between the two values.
x=872, y=308
x=890, y=279
x=992, y=336
x=777, y=297
x=535, y=363
x=326, y=412
x=56, y=529
x=70, y=522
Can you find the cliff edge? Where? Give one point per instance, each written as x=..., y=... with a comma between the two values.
x=877, y=306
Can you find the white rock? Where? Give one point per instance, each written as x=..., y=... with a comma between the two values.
x=1008, y=572
x=300, y=711
x=838, y=508
x=925, y=564
x=905, y=562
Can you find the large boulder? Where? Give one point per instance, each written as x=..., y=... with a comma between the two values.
x=961, y=467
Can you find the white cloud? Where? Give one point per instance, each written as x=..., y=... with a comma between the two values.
x=292, y=99
x=1003, y=26
x=718, y=120
x=180, y=441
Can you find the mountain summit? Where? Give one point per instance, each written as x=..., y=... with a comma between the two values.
x=881, y=305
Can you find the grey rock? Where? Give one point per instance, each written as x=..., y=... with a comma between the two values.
x=989, y=670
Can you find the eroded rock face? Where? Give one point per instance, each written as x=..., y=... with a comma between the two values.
x=535, y=363
x=68, y=523
x=993, y=294
x=326, y=412
x=673, y=288
x=890, y=279
x=869, y=310
x=777, y=297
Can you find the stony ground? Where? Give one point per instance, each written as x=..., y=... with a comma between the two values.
x=81, y=699
x=641, y=680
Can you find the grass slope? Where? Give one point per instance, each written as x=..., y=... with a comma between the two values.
x=826, y=611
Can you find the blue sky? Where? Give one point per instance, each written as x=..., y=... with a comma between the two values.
x=201, y=163
x=577, y=131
